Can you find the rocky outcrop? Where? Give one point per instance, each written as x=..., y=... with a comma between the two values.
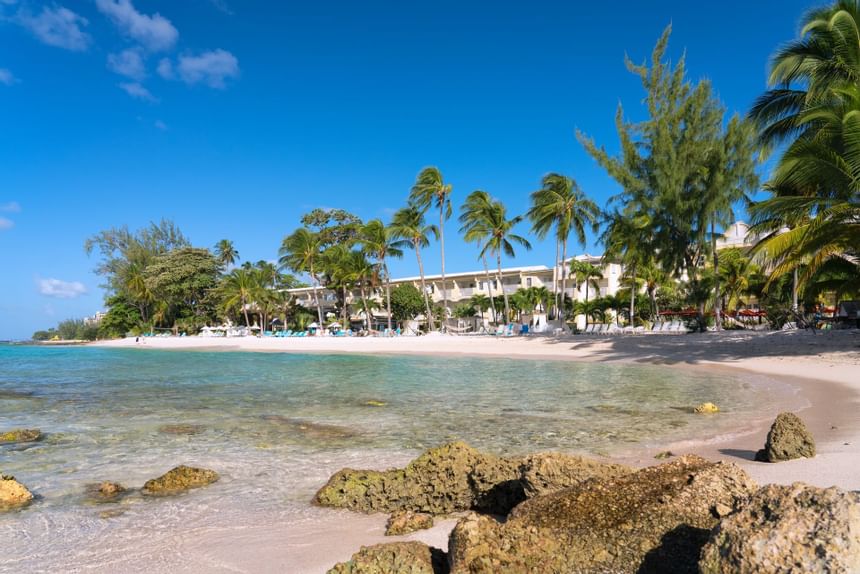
x=178, y=480
x=13, y=494
x=783, y=529
x=654, y=520
x=405, y=521
x=20, y=435
x=450, y=478
x=106, y=492
x=550, y=471
x=706, y=408
x=788, y=439
x=394, y=558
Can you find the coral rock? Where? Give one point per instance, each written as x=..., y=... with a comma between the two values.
x=394, y=558
x=788, y=439
x=404, y=522
x=178, y=480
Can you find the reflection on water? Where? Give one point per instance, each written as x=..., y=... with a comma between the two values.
x=276, y=425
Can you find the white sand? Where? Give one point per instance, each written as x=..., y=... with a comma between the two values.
x=824, y=368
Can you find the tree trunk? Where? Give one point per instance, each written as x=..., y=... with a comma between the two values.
x=442, y=327
x=586, y=301
x=366, y=310
x=423, y=287
x=563, y=285
x=344, y=313
x=490, y=289
x=387, y=292
x=794, y=291
x=316, y=295
x=245, y=311
x=632, y=294
x=502, y=286
x=555, y=279
x=718, y=322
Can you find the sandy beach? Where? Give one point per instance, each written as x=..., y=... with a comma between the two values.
x=820, y=369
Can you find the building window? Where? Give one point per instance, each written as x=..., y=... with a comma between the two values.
x=528, y=281
x=495, y=283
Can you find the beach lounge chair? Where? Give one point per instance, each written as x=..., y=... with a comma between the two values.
x=589, y=329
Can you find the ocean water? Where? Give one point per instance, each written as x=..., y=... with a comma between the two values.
x=275, y=426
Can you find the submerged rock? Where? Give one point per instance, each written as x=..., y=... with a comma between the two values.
x=178, y=480
x=394, y=558
x=13, y=494
x=106, y=492
x=788, y=439
x=653, y=520
x=550, y=471
x=406, y=521
x=706, y=408
x=663, y=455
x=20, y=435
x=181, y=429
x=446, y=479
x=374, y=403
x=797, y=528
x=318, y=431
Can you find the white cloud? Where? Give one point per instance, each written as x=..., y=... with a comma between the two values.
x=136, y=90
x=155, y=32
x=128, y=63
x=61, y=289
x=6, y=224
x=11, y=207
x=222, y=6
x=7, y=78
x=161, y=125
x=212, y=68
x=56, y=26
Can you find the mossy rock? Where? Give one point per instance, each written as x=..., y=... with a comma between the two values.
x=106, y=492
x=405, y=521
x=179, y=480
x=13, y=494
x=20, y=435
x=788, y=438
x=374, y=403
x=395, y=558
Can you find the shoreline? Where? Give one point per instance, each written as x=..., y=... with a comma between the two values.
x=820, y=370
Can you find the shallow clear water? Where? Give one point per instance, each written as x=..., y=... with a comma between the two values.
x=277, y=425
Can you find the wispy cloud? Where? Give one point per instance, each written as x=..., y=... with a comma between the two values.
x=211, y=68
x=6, y=224
x=160, y=125
x=128, y=63
x=222, y=6
x=155, y=33
x=7, y=78
x=136, y=90
x=61, y=289
x=56, y=26
x=11, y=207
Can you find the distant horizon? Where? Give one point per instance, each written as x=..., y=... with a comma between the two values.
x=234, y=122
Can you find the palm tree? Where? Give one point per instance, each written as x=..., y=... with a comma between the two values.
x=501, y=239
x=300, y=252
x=431, y=190
x=356, y=270
x=585, y=273
x=225, y=253
x=409, y=226
x=475, y=229
x=627, y=238
x=237, y=291
x=379, y=242
x=560, y=204
x=481, y=302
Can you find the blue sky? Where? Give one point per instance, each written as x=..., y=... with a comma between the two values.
x=234, y=118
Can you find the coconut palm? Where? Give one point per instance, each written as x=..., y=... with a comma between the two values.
x=431, y=190
x=561, y=205
x=474, y=229
x=627, y=239
x=412, y=231
x=480, y=302
x=501, y=240
x=300, y=252
x=585, y=273
x=237, y=290
x=356, y=270
x=225, y=253
x=379, y=242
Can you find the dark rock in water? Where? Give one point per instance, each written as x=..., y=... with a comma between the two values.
x=20, y=435
x=547, y=472
x=664, y=455
x=106, y=492
x=310, y=429
x=112, y=513
x=178, y=480
x=784, y=529
x=405, y=521
x=446, y=479
x=181, y=429
x=653, y=520
x=15, y=395
x=395, y=558
x=13, y=494
x=788, y=439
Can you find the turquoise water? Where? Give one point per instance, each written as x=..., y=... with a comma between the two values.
x=277, y=425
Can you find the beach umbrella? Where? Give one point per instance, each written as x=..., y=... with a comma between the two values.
x=334, y=325
x=313, y=325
